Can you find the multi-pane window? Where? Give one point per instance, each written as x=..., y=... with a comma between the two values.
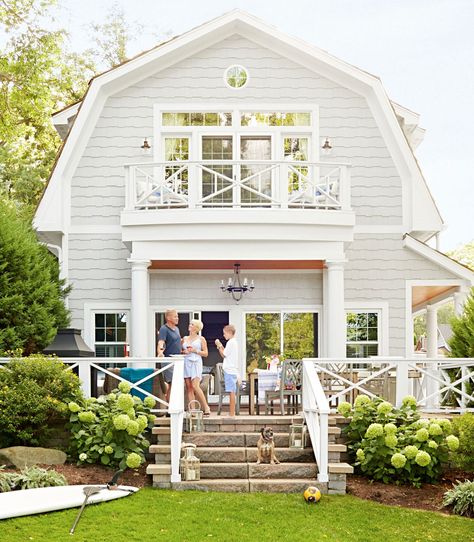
x=197, y=119
x=236, y=76
x=176, y=150
x=362, y=334
x=215, y=177
x=278, y=118
x=110, y=334
x=295, y=149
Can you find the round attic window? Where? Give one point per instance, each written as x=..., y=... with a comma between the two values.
x=236, y=76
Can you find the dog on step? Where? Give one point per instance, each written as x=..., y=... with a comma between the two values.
x=266, y=447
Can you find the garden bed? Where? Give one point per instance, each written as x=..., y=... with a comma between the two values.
x=428, y=497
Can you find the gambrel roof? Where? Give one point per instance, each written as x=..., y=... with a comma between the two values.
x=420, y=213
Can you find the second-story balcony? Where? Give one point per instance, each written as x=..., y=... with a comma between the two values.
x=233, y=184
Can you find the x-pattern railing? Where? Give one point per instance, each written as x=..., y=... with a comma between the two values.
x=238, y=183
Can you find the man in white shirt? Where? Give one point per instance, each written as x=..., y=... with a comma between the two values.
x=230, y=364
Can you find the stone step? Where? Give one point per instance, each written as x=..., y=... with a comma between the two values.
x=236, y=438
x=158, y=469
x=340, y=468
x=161, y=430
x=252, y=485
x=236, y=454
x=264, y=470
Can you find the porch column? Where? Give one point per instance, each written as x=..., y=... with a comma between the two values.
x=336, y=316
x=139, y=327
x=432, y=352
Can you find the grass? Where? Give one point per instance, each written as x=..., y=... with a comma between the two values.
x=188, y=516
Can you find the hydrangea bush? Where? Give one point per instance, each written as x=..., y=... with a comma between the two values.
x=110, y=430
x=395, y=444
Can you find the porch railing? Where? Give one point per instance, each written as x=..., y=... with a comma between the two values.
x=440, y=384
x=237, y=184
x=89, y=368
x=316, y=413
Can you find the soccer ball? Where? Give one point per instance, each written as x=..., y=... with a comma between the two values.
x=312, y=494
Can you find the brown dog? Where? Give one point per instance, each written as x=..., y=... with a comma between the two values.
x=266, y=447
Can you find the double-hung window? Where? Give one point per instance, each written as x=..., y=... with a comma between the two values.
x=110, y=334
x=362, y=333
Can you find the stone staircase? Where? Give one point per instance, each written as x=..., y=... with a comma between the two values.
x=227, y=449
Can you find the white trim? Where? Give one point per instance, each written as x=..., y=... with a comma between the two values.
x=90, y=309
x=226, y=82
x=62, y=117
x=382, y=308
x=438, y=258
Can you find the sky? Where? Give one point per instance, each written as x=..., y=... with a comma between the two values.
x=423, y=51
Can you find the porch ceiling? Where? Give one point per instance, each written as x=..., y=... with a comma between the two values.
x=423, y=294
x=229, y=264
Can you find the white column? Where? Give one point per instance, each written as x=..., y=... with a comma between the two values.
x=432, y=386
x=139, y=325
x=334, y=304
x=431, y=332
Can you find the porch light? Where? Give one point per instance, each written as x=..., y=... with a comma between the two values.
x=327, y=147
x=146, y=147
x=189, y=464
x=234, y=285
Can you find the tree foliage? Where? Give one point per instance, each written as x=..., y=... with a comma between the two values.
x=37, y=77
x=31, y=292
x=464, y=254
x=462, y=340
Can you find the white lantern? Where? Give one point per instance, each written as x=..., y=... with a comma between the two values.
x=297, y=435
x=194, y=417
x=189, y=464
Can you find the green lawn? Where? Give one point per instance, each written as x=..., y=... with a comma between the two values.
x=187, y=516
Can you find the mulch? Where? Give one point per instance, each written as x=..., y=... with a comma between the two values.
x=427, y=497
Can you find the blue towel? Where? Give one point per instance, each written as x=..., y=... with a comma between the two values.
x=134, y=375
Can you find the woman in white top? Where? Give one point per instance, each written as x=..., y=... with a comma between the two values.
x=195, y=348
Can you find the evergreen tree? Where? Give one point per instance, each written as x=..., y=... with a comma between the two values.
x=31, y=293
x=462, y=341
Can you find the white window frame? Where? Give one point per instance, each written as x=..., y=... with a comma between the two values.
x=91, y=309
x=247, y=73
x=381, y=308
x=236, y=129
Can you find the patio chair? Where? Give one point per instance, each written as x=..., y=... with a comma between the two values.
x=290, y=388
x=242, y=389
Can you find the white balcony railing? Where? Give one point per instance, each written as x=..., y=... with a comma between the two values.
x=237, y=184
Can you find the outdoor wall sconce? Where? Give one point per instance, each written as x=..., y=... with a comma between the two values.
x=327, y=147
x=146, y=147
x=235, y=287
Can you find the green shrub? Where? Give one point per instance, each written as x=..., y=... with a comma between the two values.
x=461, y=498
x=33, y=477
x=394, y=444
x=30, y=478
x=6, y=480
x=464, y=429
x=34, y=391
x=110, y=430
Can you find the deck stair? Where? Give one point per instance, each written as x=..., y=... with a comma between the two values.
x=227, y=449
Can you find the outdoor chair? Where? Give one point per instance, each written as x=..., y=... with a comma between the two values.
x=242, y=389
x=290, y=388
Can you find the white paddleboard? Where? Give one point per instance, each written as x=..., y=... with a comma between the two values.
x=46, y=499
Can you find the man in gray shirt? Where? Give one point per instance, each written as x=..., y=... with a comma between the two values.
x=169, y=343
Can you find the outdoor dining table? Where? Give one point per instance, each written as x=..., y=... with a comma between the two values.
x=260, y=380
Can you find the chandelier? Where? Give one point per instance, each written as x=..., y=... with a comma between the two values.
x=235, y=287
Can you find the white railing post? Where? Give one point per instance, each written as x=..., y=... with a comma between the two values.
x=176, y=411
x=193, y=186
x=84, y=367
x=402, y=382
x=283, y=180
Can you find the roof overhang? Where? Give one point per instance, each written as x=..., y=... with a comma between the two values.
x=189, y=43
x=454, y=267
